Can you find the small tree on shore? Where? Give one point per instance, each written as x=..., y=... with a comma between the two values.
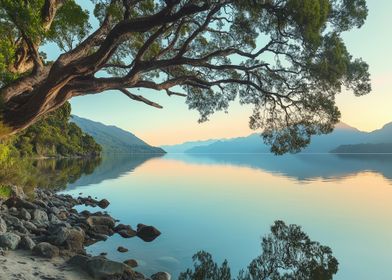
x=285, y=57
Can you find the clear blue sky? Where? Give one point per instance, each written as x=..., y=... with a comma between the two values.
x=175, y=123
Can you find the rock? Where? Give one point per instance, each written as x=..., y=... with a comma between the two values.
x=3, y=226
x=102, y=268
x=29, y=225
x=13, y=211
x=26, y=243
x=53, y=219
x=103, y=203
x=161, y=276
x=55, y=210
x=24, y=214
x=9, y=240
x=17, y=192
x=125, y=231
x=101, y=220
x=71, y=238
x=132, y=263
x=46, y=250
x=12, y=221
x=122, y=249
x=40, y=218
x=19, y=203
x=147, y=233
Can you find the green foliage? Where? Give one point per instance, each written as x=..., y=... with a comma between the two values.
x=55, y=136
x=70, y=26
x=287, y=253
x=5, y=191
x=286, y=58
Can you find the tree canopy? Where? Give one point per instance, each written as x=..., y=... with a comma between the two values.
x=285, y=57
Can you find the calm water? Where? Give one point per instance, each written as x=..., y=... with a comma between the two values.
x=224, y=203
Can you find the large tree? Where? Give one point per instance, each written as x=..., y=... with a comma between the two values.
x=285, y=57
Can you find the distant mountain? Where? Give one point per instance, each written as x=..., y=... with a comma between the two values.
x=115, y=140
x=368, y=148
x=181, y=148
x=250, y=144
x=342, y=135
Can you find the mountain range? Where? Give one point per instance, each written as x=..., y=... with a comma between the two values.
x=115, y=140
x=344, y=139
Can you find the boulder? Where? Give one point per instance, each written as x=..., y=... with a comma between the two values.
x=19, y=203
x=103, y=203
x=104, y=220
x=9, y=240
x=26, y=243
x=46, y=250
x=161, y=276
x=3, y=226
x=24, y=214
x=122, y=249
x=147, y=233
x=71, y=238
x=132, y=263
x=125, y=231
x=40, y=218
x=102, y=268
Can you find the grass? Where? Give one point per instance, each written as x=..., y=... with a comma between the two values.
x=5, y=191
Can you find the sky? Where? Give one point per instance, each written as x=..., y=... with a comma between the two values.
x=176, y=124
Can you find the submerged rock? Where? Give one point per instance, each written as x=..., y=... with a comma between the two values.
x=122, y=249
x=131, y=262
x=161, y=276
x=147, y=233
x=9, y=240
x=125, y=231
x=103, y=203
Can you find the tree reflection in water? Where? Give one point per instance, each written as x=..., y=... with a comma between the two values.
x=44, y=173
x=287, y=254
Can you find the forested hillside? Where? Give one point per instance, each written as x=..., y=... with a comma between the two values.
x=53, y=136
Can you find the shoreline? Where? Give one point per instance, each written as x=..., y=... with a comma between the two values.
x=49, y=237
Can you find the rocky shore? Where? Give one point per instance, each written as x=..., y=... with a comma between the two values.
x=48, y=227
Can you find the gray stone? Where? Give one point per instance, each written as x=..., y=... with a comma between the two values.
x=46, y=250
x=3, y=226
x=161, y=276
x=72, y=239
x=29, y=225
x=12, y=221
x=53, y=219
x=102, y=268
x=26, y=243
x=24, y=214
x=9, y=240
x=40, y=218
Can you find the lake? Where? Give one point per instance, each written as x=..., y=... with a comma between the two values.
x=223, y=204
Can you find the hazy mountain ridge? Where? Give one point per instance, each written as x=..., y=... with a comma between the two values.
x=343, y=136
x=115, y=140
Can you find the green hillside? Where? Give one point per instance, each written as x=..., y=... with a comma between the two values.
x=115, y=140
x=53, y=136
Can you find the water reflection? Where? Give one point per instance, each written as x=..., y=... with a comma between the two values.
x=113, y=167
x=222, y=203
x=45, y=173
x=302, y=167
x=287, y=253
